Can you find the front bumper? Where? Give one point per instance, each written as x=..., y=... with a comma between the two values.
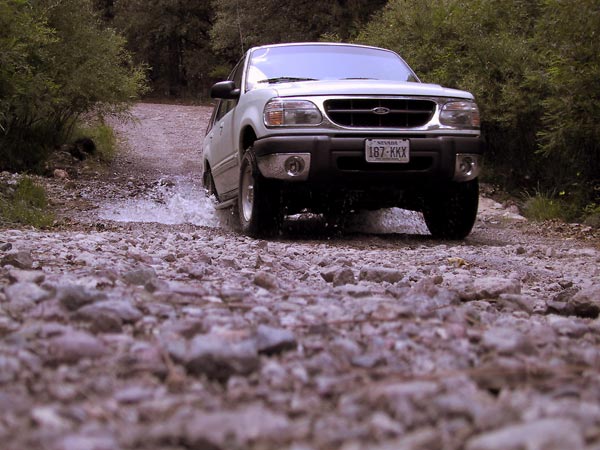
x=334, y=160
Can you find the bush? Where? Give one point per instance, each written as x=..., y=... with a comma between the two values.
x=534, y=68
x=56, y=64
x=26, y=204
x=102, y=135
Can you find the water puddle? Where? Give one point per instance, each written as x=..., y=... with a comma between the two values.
x=180, y=201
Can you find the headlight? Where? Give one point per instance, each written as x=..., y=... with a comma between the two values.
x=281, y=113
x=460, y=114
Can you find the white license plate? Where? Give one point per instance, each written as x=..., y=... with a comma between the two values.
x=387, y=150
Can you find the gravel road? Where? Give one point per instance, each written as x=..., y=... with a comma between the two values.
x=141, y=321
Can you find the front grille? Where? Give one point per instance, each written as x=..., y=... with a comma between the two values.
x=380, y=113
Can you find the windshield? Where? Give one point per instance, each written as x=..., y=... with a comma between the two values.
x=325, y=62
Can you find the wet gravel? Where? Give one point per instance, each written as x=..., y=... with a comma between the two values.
x=141, y=321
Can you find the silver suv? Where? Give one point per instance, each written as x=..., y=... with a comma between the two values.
x=329, y=128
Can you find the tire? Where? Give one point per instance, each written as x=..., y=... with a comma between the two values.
x=259, y=200
x=209, y=185
x=450, y=211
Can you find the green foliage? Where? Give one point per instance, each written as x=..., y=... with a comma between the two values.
x=542, y=206
x=172, y=38
x=26, y=205
x=102, y=135
x=480, y=46
x=567, y=44
x=241, y=24
x=56, y=64
x=534, y=68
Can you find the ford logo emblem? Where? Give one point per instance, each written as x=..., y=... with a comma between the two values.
x=380, y=110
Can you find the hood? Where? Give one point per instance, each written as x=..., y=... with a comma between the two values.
x=365, y=87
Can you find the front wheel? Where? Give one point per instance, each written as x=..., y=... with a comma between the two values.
x=450, y=211
x=259, y=202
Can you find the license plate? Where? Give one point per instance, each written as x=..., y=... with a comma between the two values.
x=387, y=150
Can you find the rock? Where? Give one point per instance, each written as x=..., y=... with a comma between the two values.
x=18, y=259
x=235, y=429
x=5, y=246
x=140, y=276
x=122, y=309
x=507, y=341
x=217, y=358
x=73, y=346
x=10, y=367
x=28, y=276
x=143, y=357
x=266, y=280
x=74, y=296
x=380, y=274
x=48, y=417
x=271, y=340
x=24, y=296
x=95, y=441
x=25, y=292
x=518, y=302
x=343, y=276
x=487, y=288
x=543, y=434
x=60, y=174
x=586, y=303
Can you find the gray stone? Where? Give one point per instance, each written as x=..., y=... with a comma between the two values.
x=487, y=288
x=24, y=296
x=74, y=296
x=122, y=309
x=343, y=276
x=271, y=340
x=95, y=441
x=19, y=259
x=28, y=276
x=380, y=274
x=507, y=341
x=543, y=434
x=237, y=428
x=140, y=276
x=586, y=303
x=266, y=280
x=217, y=358
x=73, y=346
x=9, y=368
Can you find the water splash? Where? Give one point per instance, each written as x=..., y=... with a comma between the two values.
x=388, y=221
x=176, y=201
x=180, y=201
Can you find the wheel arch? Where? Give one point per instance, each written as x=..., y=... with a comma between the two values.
x=247, y=139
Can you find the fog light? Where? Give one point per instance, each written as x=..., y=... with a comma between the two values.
x=467, y=167
x=294, y=166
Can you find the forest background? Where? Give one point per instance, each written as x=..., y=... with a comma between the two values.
x=533, y=65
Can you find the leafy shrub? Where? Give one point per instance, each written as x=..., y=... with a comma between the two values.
x=26, y=204
x=534, y=68
x=102, y=135
x=56, y=64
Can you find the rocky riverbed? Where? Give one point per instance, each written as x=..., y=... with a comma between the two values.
x=141, y=321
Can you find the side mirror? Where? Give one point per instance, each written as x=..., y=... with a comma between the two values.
x=225, y=90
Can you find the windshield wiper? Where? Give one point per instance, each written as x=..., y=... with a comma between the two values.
x=358, y=78
x=285, y=80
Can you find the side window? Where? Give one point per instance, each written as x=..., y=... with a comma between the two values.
x=224, y=107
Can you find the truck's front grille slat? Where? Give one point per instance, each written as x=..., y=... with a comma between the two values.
x=380, y=113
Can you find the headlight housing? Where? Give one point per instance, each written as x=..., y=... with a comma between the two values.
x=460, y=114
x=283, y=113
